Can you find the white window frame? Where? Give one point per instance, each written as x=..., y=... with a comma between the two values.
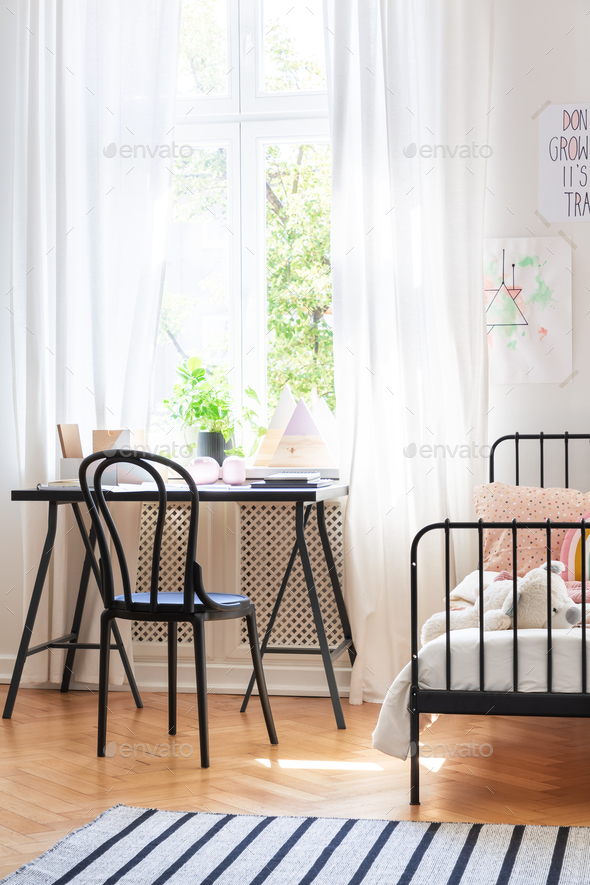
x=247, y=120
x=253, y=97
x=193, y=107
x=255, y=137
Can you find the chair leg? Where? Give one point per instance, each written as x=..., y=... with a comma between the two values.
x=172, y=675
x=201, y=671
x=103, y=681
x=259, y=672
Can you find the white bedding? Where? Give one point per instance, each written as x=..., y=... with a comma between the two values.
x=392, y=734
x=468, y=590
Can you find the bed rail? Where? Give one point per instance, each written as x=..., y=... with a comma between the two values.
x=514, y=702
x=516, y=438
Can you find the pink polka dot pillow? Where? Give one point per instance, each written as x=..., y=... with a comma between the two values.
x=498, y=502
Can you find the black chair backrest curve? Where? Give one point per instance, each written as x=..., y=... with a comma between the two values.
x=101, y=518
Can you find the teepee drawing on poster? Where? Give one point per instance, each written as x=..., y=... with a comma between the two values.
x=503, y=309
x=528, y=310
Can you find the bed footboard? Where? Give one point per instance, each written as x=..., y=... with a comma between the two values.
x=480, y=702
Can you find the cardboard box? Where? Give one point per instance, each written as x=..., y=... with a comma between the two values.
x=69, y=469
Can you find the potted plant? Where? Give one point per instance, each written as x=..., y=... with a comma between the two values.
x=203, y=399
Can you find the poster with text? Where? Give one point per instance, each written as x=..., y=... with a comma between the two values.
x=564, y=188
x=528, y=297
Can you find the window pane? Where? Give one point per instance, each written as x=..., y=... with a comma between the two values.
x=195, y=309
x=203, y=58
x=299, y=295
x=293, y=40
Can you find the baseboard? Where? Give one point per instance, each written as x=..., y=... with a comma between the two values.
x=295, y=680
x=294, y=675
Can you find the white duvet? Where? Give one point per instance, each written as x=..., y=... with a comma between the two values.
x=392, y=734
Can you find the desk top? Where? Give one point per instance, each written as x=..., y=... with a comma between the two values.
x=206, y=493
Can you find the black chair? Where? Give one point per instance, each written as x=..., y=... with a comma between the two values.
x=191, y=603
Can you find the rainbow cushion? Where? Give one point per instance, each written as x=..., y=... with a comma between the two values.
x=571, y=554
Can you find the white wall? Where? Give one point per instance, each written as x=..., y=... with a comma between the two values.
x=535, y=60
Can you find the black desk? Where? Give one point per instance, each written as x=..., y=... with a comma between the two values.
x=303, y=500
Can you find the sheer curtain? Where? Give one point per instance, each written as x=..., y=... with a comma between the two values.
x=409, y=322
x=94, y=97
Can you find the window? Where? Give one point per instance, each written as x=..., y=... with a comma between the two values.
x=247, y=284
x=298, y=303
x=203, y=68
x=293, y=48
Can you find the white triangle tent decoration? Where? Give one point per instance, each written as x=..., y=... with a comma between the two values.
x=326, y=423
x=276, y=428
x=302, y=444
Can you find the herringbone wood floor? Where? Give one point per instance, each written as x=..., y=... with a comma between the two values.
x=52, y=782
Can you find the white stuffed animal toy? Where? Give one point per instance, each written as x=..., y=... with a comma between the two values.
x=531, y=599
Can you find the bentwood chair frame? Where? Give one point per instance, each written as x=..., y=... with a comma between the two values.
x=193, y=604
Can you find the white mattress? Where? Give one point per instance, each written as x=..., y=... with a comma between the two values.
x=392, y=734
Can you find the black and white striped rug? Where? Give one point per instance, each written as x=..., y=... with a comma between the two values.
x=138, y=846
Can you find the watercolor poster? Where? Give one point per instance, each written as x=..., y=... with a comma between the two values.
x=528, y=297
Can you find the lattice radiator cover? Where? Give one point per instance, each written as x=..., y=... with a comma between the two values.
x=267, y=536
x=172, y=562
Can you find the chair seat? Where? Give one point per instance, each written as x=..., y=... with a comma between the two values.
x=172, y=601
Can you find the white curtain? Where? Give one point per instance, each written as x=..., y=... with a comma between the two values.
x=409, y=322
x=94, y=97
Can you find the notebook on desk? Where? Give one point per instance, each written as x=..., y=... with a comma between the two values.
x=181, y=486
x=293, y=479
x=59, y=484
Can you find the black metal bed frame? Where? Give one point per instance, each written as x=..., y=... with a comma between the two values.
x=481, y=702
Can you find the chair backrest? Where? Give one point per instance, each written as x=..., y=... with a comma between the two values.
x=102, y=519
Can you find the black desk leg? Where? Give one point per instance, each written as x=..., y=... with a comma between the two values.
x=32, y=612
x=79, y=611
x=275, y=612
x=90, y=563
x=317, y=615
x=332, y=571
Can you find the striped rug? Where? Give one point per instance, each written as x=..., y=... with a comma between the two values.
x=148, y=847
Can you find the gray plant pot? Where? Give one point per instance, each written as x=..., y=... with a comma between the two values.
x=213, y=445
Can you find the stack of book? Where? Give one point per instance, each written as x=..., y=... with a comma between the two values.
x=293, y=479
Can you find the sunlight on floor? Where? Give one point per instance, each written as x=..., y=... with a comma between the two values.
x=434, y=764
x=326, y=766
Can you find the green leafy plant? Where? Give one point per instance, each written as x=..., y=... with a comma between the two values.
x=203, y=399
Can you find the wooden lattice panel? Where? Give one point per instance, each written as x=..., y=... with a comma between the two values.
x=172, y=562
x=267, y=536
